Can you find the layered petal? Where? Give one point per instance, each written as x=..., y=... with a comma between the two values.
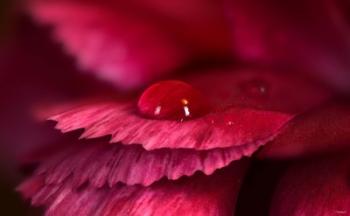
x=240, y=97
x=319, y=187
x=310, y=34
x=100, y=164
x=125, y=49
x=217, y=130
x=198, y=195
x=320, y=131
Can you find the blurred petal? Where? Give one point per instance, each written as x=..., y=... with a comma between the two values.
x=311, y=34
x=200, y=24
x=125, y=49
x=324, y=130
x=199, y=195
x=99, y=164
x=319, y=187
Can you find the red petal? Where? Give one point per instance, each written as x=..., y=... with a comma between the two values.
x=324, y=130
x=118, y=47
x=198, y=195
x=218, y=130
x=314, y=188
x=102, y=164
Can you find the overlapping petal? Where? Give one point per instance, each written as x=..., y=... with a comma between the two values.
x=213, y=195
x=169, y=167
x=242, y=97
x=100, y=164
x=217, y=130
x=323, y=130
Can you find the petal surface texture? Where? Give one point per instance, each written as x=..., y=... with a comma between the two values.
x=217, y=130
x=213, y=195
x=240, y=97
x=99, y=164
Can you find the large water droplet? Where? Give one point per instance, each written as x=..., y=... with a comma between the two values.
x=175, y=100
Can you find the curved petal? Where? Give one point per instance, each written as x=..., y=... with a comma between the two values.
x=319, y=187
x=199, y=195
x=320, y=131
x=100, y=164
x=246, y=95
x=124, y=49
x=217, y=130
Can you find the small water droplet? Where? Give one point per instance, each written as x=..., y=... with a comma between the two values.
x=230, y=123
x=256, y=88
x=175, y=100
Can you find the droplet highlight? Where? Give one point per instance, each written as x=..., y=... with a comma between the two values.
x=172, y=100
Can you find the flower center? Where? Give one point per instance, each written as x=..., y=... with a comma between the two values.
x=172, y=100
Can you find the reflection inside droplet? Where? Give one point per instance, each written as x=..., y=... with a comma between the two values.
x=175, y=100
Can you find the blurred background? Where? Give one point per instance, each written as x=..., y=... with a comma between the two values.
x=26, y=77
x=11, y=203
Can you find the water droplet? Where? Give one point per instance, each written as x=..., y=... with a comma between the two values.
x=229, y=123
x=175, y=100
x=256, y=88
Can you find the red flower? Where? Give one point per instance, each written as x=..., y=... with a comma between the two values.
x=194, y=144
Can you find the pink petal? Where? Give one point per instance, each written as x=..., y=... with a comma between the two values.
x=217, y=130
x=319, y=187
x=31, y=186
x=198, y=195
x=102, y=164
x=227, y=89
x=310, y=34
x=324, y=130
x=124, y=49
